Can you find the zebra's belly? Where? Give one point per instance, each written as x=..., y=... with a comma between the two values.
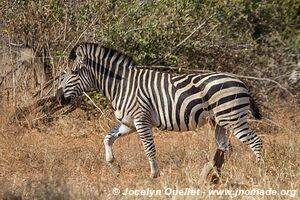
x=124, y=119
x=183, y=122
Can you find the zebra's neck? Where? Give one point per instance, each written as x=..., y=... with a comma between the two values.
x=111, y=80
x=109, y=68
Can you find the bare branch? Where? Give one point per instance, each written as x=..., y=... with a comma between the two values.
x=48, y=83
x=265, y=79
x=175, y=49
x=43, y=100
x=94, y=103
x=193, y=32
x=249, y=77
x=235, y=75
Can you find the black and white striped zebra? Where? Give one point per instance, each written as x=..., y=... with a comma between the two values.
x=143, y=98
x=295, y=75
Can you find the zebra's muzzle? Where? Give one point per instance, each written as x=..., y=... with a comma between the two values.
x=61, y=98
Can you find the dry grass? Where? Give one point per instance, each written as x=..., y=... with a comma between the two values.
x=65, y=160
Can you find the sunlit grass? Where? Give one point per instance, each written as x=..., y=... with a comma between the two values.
x=65, y=160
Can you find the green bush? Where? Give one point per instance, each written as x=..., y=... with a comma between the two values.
x=254, y=38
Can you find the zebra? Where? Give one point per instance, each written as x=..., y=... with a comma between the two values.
x=142, y=98
x=295, y=75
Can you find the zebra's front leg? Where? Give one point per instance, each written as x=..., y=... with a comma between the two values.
x=116, y=132
x=144, y=130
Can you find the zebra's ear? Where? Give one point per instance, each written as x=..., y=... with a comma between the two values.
x=77, y=52
x=72, y=55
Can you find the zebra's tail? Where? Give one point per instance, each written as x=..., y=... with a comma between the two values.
x=254, y=109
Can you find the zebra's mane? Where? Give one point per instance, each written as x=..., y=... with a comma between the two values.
x=73, y=55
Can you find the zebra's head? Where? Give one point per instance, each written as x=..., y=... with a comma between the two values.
x=77, y=80
x=93, y=66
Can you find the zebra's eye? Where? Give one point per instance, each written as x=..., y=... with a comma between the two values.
x=72, y=97
x=75, y=71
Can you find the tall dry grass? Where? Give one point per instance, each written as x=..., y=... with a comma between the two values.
x=65, y=159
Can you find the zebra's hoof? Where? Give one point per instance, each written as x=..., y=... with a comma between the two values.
x=115, y=168
x=261, y=162
x=155, y=175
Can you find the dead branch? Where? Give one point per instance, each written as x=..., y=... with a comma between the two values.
x=265, y=79
x=9, y=73
x=47, y=84
x=177, y=47
x=212, y=169
x=42, y=101
x=94, y=104
x=16, y=45
x=235, y=75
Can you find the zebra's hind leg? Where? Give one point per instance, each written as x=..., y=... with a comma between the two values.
x=222, y=140
x=212, y=169
x=223, y=147
x=247, y=136
x=116, y=132
x=144, y=130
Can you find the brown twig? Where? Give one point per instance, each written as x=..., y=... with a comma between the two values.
x=176, y=48
x=103, y=114
x=264, y=79
x=46, y=99
x=235, y=75
x=250, y=77
x=48, y=83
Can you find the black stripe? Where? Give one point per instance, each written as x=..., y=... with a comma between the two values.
x=227, y=99
x=176, y=78
x=132, y=97
x=200, y=77
x=233, y=119
x=126, y=94
x=161, y=99
x=189, y=108
x=197, y=115
x=155, y=98
x=242, y=124
x=114, y=64
x=226, y=111
x=168, y=95
x=215, y=88
x=184, y=82
x=244, y=135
